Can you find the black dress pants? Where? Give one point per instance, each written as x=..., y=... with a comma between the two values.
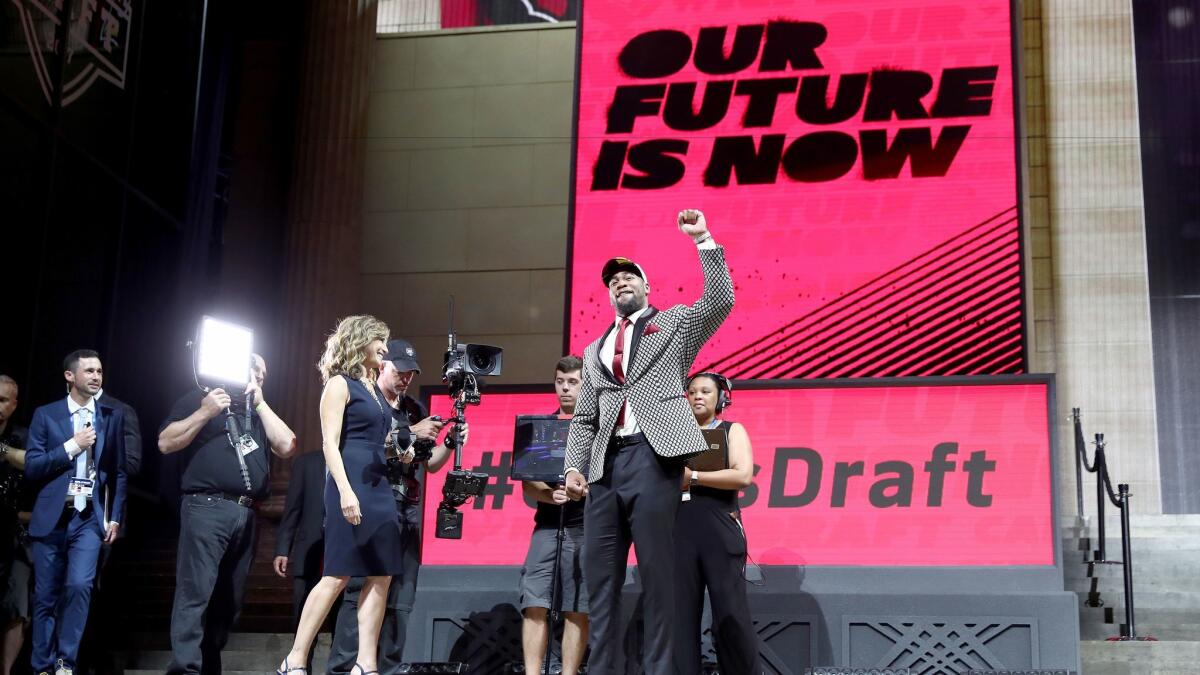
x=634, y=502
x=401, y=594
x=711, y=553
x=216, y=546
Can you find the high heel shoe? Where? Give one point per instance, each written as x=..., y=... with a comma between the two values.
x=362, y=671
x=285, y=669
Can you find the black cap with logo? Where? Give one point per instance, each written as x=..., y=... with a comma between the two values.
x=615, y=265
x=402, y=355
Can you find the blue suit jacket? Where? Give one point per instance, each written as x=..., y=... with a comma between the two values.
x=48, y=468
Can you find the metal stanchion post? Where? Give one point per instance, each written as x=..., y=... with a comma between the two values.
x=1126, y=556
x=1101, y=497
x=1129, y=633
x=1078, y=463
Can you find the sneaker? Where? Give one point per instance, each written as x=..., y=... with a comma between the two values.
x=62, y=669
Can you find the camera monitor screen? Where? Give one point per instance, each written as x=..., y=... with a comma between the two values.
x=539, y=448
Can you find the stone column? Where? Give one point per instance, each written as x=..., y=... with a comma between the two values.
x=1099, y=280
x=325, y=203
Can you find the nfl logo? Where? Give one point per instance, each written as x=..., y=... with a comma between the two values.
x=97, y=46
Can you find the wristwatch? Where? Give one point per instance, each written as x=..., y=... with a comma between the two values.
x=695, y=477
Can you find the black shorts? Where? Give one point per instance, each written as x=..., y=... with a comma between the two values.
x=539, y=567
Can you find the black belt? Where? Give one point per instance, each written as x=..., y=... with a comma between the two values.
x=622, y=441
x=240, y=500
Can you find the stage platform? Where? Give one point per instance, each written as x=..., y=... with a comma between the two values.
x=932, y=620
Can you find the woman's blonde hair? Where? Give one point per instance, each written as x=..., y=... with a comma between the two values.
x=345, y=348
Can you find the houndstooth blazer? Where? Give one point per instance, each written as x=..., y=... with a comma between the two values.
x=655, y=376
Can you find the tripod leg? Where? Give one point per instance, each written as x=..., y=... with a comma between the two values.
x=555, y=588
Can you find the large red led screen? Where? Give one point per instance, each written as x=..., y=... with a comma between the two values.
x=930, y=475
x=857, y=159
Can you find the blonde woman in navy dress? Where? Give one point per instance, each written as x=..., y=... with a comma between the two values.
x=362, y=532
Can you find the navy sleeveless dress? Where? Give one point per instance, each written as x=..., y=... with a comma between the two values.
x=371, y=548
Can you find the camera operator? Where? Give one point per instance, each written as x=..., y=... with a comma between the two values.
x=217, y=517
x=15, y=569
x=537, y=575
x=411, y=444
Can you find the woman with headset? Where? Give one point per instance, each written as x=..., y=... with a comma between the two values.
x=710, y=544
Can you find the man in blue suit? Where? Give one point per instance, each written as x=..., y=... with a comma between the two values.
x=75, y=461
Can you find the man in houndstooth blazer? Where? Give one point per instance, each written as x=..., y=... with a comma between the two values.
x=631, y=431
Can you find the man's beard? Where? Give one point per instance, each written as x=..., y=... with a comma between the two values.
x=627, y=307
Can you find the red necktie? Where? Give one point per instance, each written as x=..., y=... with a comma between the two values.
x=617, y=367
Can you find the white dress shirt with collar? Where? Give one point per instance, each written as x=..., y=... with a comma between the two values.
x=71, y=446
x=607, y=350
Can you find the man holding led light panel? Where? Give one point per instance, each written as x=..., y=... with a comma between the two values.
x=225, y=437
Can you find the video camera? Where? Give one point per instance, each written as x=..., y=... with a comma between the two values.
x=464, y=364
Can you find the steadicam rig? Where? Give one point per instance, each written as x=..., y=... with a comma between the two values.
x=463, y=366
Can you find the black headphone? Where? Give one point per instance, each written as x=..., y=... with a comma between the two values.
x=724, y=388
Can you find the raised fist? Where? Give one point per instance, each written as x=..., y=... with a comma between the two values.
x=691, y=222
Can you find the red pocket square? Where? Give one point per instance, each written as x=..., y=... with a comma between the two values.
x=651, y=329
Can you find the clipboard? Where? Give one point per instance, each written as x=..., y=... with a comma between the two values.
x=716, y=455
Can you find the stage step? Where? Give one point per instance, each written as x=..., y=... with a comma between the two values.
x=317, y=668
x=262, y=661
x=1116, y=583
x=1140, y=542
x=1166, y=555
x=1139, y=658
x=1112, y=520
x=246, y=652
x=240, y=641
x=1163, y=631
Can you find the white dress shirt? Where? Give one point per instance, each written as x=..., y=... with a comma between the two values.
x=71, y=446
x=607, y=350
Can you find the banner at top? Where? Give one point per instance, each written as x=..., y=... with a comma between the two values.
x=857, y=159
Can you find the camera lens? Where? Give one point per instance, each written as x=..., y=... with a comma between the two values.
x=483, y=362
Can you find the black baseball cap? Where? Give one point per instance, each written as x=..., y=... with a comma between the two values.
x=615, y=265
x=402, y=355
